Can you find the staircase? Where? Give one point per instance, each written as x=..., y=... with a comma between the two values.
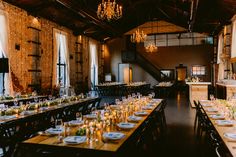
x=136, y=57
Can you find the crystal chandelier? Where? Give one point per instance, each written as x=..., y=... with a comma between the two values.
x=109, y=10
x=151, y=48
x=138, y=36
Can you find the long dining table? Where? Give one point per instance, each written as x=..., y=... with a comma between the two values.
x=99, y=146
x=25, y=124
x=218, y=112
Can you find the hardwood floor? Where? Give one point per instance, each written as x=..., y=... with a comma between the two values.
x=180, y=139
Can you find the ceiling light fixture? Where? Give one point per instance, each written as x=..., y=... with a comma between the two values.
x=109, y=10
x=151, y=46
x=138, y=36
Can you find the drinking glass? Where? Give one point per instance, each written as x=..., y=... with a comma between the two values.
x=153, y=94
x=93, y=110
x=35, y=99
x=117, y=101
x=15, y=102
x=79, y=116
x=212, y=97
x=59, y=125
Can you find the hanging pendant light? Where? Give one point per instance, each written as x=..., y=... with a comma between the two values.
x=138, y=36
x=109, y=10
x=151, y=47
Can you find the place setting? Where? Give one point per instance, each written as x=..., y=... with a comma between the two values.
x=217, y=116
x=230, y=136
x=227, y=123
x=134, y=118
x=125, y=125
x=113, y=137
x=141, y=113
x=73, y=140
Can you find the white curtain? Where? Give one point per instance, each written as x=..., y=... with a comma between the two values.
x=61, y=44
x=93, y=62
x=233, y=44
x=4, y=49
x=219, y=52
x=220, y=47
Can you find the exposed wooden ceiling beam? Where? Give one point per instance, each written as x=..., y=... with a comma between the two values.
x=112, y=31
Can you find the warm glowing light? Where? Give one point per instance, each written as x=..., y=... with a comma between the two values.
x=151, y=48
x=109, y=10
x=138, y=36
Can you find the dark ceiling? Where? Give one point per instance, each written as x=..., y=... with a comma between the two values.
x=80, y=15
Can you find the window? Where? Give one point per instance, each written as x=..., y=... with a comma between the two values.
x=220, y=47
x=61, y=59
x=179, y=39
x=61, y=68
x=233, y=42
x=4, y=78
x=198, y=70
x=93, y=63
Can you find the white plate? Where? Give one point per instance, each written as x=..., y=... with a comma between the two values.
x=207, y=105
x=114, y=107
x=74, y=139
x=224, y=122
x=204, y=100
x=156, y=100
x=141, y=113
x=27, y=112
x=43, y=108
x=134, y=118
x=147, y=107
x=124, y=125
x=75, y=122
x=7, y=117
x=113, y=135
x=217, y=116
x=90, y=116
x=230, y=136
x=54, y=131
x=211, y=110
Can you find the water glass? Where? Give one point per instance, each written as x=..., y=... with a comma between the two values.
x=79, y=116
x=212, y=97
x=15, y=102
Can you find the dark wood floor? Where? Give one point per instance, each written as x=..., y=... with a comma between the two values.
x=180, y=139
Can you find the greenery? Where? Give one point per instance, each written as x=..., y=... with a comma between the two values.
x=81, y=132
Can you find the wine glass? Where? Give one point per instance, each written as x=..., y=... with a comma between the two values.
x=212, y=97
x=79, y=116
x=15, y=102
x=59, y=125
x=117, y=101
x=93, y=110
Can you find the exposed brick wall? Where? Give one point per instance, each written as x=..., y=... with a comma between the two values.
x=20, y=62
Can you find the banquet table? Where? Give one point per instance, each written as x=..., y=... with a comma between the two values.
x=23, y=99
x=221, y=129
x=38, y=112
x=98, y=147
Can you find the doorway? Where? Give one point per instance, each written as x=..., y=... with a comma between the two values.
x=125, y=73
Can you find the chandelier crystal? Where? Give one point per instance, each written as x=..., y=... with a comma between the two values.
x=138, y=36
x=151, y=48
x=109, y=10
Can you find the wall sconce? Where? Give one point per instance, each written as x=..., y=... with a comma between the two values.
x=103, y=50
x=35, y=22
x=80, y=39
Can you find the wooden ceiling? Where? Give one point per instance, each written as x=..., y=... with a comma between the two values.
x=206, y=16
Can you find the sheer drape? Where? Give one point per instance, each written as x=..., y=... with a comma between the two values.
x=61, y=44
x=233, y=44
x=93, y=63
x=4, y=49
x=220, y=50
